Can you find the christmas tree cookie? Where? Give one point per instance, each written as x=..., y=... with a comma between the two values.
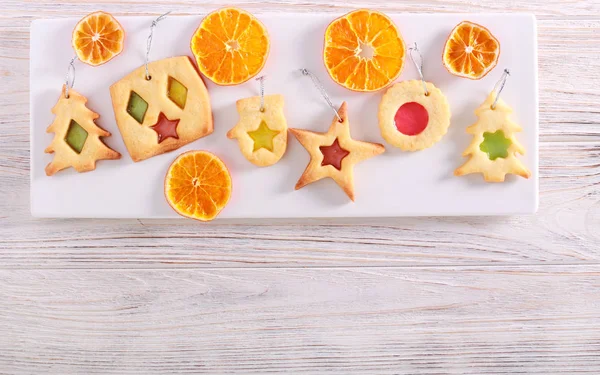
x=76, y=140
x=261, y=131
x=333, y=154
x=494, y=148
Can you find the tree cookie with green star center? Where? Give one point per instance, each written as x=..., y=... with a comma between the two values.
x=494, y=148
x=261, y=134
x=495, y=145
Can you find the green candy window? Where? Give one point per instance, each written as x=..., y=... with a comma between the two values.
x=137, y=107
x=76, y=136
x=177, y=92
x=495, y=145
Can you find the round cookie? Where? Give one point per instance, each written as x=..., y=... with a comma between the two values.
x=411, y=120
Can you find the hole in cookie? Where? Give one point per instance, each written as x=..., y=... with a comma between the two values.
x=411, y=118
x=263, y=137
x=333, y=155
x=76, y=136
x=177, y=92
x=495, y=145
x=137, y=107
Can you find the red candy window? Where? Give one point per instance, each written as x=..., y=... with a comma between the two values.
x=333, y=155
x=411, y=118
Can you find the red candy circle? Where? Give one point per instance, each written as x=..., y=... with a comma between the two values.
x=411, y=118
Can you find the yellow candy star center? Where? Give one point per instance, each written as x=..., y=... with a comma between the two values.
x=263, y=137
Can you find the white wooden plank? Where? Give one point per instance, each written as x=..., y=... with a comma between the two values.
x=464, y=320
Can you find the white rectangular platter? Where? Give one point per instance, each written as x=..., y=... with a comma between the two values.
x=393, y=184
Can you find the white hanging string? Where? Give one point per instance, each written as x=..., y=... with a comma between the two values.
x=149, y=42
x=321, y=89
x=261, y=80
x=500, y=82
x=418, y=65
x=68, y=77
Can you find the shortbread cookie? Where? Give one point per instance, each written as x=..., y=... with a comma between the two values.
x=261, y=135
x=494, y=148
x=164, y=112
x=334, y=154
x=76, y=140
x=412, y=119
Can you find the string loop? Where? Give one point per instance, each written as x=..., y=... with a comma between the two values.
x=68, y=78
x=149, y=41
x=419, y=65
x=261, y=80
x=321, y=89
x=501, y=82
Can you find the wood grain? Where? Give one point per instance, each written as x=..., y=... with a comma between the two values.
x=464, y=320
x=509, y=295
x=562, y=231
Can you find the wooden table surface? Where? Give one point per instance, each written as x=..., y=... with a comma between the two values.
x=505, y=295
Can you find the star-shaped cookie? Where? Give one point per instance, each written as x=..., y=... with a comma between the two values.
x=333, y=154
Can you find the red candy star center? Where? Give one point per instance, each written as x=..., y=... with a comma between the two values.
x=333, y=155
x=165, y=128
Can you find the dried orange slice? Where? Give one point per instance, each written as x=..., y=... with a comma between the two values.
x=471, y=51
x=97, y=38
x=198, y=185
x=364, y=50
x=231, y=46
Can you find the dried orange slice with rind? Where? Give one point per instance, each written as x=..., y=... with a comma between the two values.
x=97, y=38
x=198, y=185
x=363, y=50
x=471, y=51
x=231, y=46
